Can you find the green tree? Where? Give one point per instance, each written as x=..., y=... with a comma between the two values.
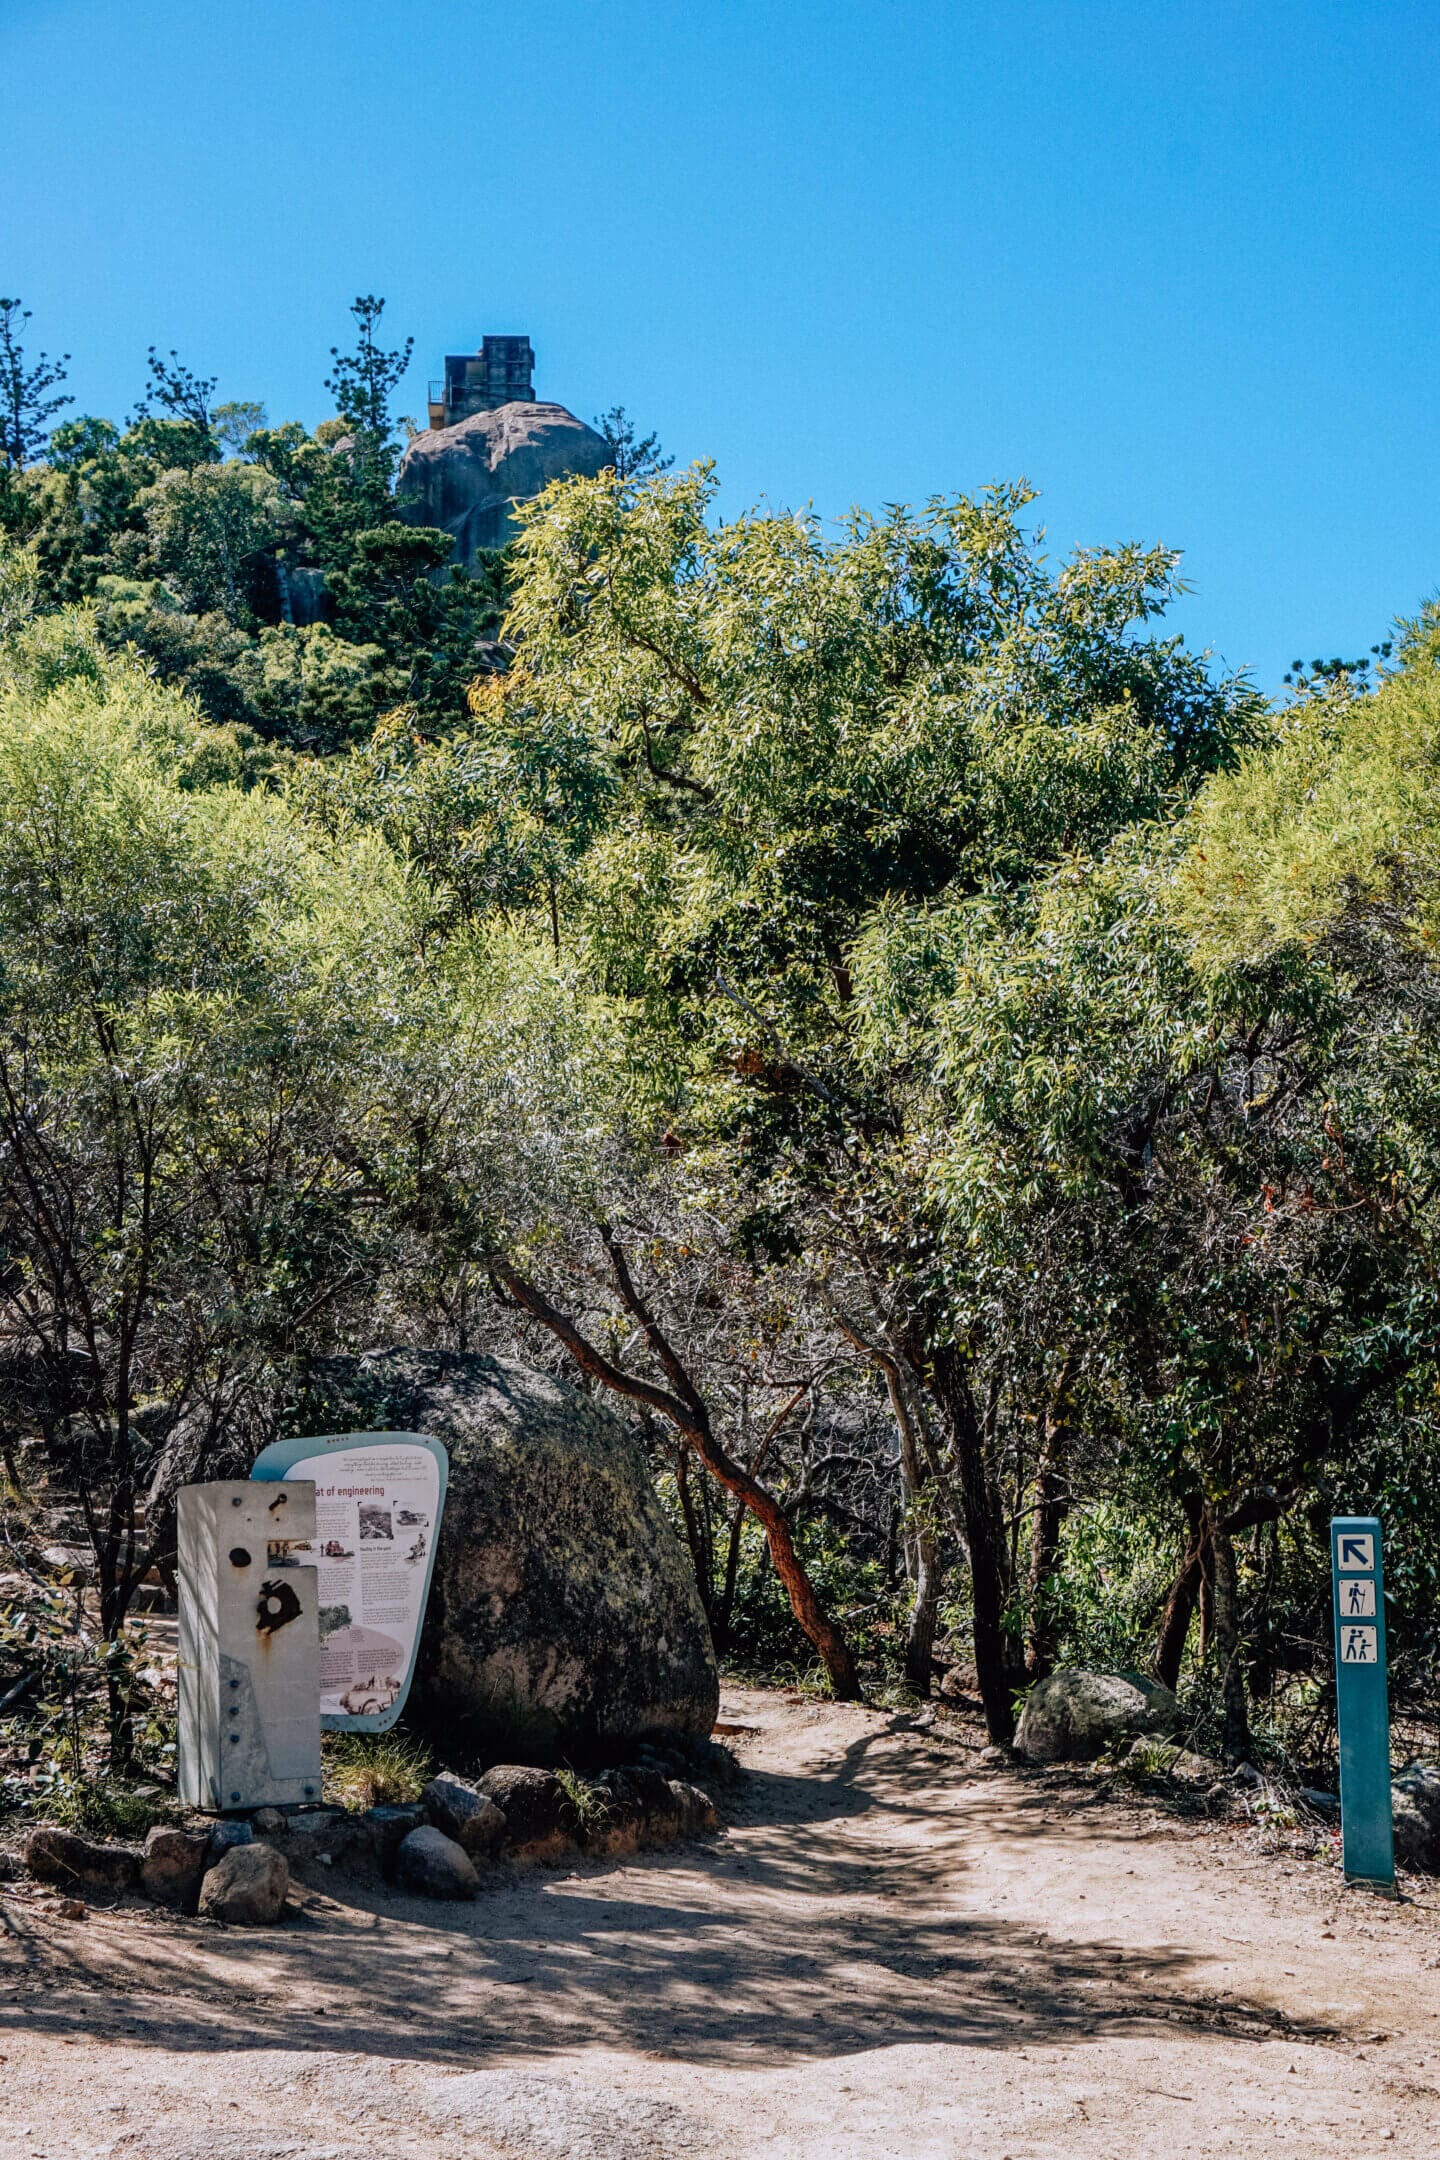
x=211, y=530
x=30, y=394
x=633, y=456
x=182, y=395
x=185, y=999
x=398, y=590
x=235, y=422
x=811, y=739
x=362, y=382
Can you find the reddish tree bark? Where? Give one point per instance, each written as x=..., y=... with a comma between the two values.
x=686, y=1411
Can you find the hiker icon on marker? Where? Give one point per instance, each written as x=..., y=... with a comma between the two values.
x=1356, y=1602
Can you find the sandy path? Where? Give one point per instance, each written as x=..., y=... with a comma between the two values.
x=891, y=1951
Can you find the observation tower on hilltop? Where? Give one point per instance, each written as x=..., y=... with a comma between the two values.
x=501, y=373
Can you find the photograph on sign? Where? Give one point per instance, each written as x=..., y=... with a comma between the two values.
x=1357, y=1549
x=378, y=1498
x=1355, y=1598
x=1358, y=1646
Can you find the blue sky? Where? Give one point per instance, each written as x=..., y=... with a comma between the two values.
x=1176, y=263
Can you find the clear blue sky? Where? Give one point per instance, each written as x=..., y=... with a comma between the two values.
x=1176, y=261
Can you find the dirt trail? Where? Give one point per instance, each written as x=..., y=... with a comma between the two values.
x=891, y=1950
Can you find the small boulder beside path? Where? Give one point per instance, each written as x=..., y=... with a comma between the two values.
x=1415, y=1801
x=173, y=1866
x=1075, y=1716
x=464, y=1813
x=229, y=1830
x=247, y=1887
x=538, y=1814
x=1167, y=1759
x=73, y=1862
x=429, y=1864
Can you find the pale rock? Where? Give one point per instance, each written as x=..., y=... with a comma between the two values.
x=1074, y=1716
x=467, y=478
x=247, y=1888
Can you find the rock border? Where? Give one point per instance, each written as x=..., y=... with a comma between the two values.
x=238, y=1869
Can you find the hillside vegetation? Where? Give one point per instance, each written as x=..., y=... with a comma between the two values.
x=964, y=1073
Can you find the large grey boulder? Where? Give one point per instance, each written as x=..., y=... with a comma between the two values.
x=564, y=1622
x=247, y=1888
x=1075, y=1716
x=467, y=478
x=1415, y=1806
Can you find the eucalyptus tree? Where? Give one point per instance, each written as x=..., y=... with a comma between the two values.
x=814, y=739
x=188, y=989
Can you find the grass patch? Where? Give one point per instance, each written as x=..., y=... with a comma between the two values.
x=363, y=1770
x=588, y=1803
x=100, y=1808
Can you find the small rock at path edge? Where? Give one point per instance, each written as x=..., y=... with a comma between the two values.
x=429, y=1864
x=174, y=1865
x=63, y=1857
x=247, y=1887
x=464, y=1813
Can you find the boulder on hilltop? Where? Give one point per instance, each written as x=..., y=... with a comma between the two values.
x=564, y=1623
x=466, y=478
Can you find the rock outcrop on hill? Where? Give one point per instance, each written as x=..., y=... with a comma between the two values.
x=564, y=1623
x=466, y=478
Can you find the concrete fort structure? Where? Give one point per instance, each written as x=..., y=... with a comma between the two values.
x=491, y=444
x=501, y=373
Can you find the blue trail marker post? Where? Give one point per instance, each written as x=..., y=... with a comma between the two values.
x=1362, y=1700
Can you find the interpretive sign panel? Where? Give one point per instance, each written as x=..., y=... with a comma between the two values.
x=378, y=1498
x=1362, y=1700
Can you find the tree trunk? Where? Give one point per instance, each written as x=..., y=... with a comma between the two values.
x=690, y=1417
x=999, y=1668
x=1184, y=1593
x=732, y=1576
x=1047, y=1515
x=924, y=1613
x=922, y=1547
x=1227, y=1637
x=695, y=1538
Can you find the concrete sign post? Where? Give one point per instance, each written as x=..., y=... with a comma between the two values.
x=378, y=1498
x=1362, y=1700
x=249, y=1717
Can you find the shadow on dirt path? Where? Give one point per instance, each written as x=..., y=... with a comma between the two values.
x=873, y=1892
